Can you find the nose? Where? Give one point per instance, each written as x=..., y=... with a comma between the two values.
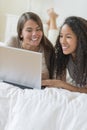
x=34, y=32
x=63, y=40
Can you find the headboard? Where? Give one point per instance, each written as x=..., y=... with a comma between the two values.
x=11, y=26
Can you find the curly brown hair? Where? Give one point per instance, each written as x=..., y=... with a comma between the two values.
x=79, y=26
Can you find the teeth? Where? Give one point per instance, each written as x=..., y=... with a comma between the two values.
x=33, y=39
x=65, y=47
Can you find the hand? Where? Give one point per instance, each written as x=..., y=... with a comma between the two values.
x=53, y=83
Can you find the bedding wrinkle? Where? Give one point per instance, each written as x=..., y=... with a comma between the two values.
x=47, y=109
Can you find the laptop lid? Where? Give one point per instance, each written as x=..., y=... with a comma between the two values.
x=21, y=67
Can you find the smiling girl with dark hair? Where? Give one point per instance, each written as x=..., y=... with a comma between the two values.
x=71, y=56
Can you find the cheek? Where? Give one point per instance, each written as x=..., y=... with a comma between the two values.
x=74, y=44
x=26, y=36
x=41, y=34
x=25, y=33
x=74, y=48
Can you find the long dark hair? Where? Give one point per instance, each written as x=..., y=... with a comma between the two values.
x=79, y=26
x=45, y=43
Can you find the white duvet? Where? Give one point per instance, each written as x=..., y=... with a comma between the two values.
x=47, y=109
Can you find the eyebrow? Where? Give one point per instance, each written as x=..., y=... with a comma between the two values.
x=32, y=27
x=66, y=34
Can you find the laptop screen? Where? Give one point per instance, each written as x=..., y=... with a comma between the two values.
x=21, y=67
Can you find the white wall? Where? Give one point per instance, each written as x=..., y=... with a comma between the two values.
x=63, y=7
x=16, y=7
x=70, y=7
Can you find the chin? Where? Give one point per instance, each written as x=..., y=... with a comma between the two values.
x=66, y=53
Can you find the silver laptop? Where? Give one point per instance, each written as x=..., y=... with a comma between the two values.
x=20, y=67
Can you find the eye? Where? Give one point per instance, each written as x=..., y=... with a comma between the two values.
x=38, y=29
x=29, y=30
x=69, y=36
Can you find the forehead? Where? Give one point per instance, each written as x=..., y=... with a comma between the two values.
x=31, y=23
x=65, y=28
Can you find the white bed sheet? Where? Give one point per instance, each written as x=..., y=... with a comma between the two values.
x=48, y=109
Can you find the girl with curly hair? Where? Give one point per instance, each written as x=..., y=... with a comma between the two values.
x=71, y=56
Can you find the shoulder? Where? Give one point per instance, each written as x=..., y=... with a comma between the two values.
x=12, y=41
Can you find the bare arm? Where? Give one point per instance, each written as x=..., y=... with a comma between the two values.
x=64, y=85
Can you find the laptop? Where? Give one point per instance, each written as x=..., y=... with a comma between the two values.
x=20, y=67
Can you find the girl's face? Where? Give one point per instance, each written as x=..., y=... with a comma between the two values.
x=68, y=40
x=31, y=34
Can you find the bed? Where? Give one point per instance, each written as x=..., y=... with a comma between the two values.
x=41, y=109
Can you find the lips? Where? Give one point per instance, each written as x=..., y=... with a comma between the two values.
x=64, y=48
x=34, y=39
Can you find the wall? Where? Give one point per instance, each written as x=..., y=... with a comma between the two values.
x=16, y=7
x=63, y=7
x=70, y=7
